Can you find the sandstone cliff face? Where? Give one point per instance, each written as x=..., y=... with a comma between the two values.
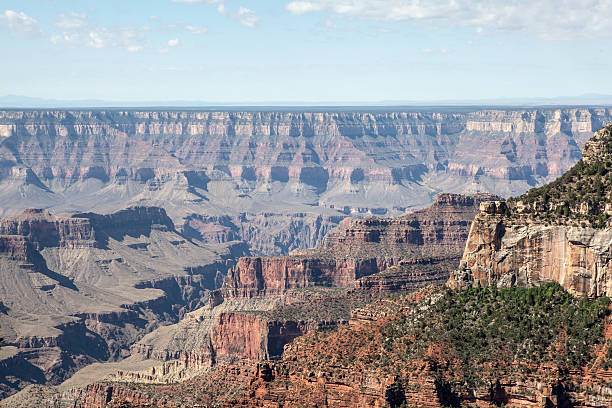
x=275, y=276
x=199, y=165
x=543, y=235
x=504, y=252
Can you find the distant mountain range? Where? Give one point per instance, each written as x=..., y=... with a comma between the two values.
x=19, y=101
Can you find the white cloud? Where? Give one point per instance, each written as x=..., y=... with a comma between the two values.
x=71, y=21
x=303, y=7
x=245, y=16
x=173, y=43
x=196, y=30
x=19, y=24
x=131, y=39
x=549, y=19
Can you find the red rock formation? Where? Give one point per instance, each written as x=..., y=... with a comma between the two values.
x=363, y=247
x=274, y=276
x=346, y=380
x=239, y=334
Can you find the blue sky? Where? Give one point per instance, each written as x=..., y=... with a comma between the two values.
x=307, y=51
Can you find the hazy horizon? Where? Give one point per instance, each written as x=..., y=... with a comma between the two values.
x=19, y=101
x=317, y=51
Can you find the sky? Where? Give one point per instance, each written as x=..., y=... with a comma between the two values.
x=254, y=51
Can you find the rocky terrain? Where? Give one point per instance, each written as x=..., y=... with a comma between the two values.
x=559, y=232
x=515, y=347
x=267, y=302
x=126, y=301
x=234, y=175
x=359, y=248
x=80, y=288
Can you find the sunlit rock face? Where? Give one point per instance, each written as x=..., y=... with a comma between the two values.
x=318, y=166
x=560, y=232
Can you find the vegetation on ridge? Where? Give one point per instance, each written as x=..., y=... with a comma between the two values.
x=468, y=337
x=579, y=197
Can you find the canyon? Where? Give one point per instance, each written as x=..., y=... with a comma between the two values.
x=80, y=288
x=210, y=250
x=279, y=180
x=265, y=303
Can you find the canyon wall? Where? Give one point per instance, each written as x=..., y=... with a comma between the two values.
x=506, y=252
x=267, y=302
x=81, y=288
x=355, y=366
x=559, y=232
x=249, y=167
x=358, y=248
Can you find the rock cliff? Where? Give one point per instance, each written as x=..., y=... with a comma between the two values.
x=265, y=303
x=420, y=349
x=203, y=166
x=548, y=234
x=364, y=247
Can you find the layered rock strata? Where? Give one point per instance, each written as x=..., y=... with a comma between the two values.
x=363, y=247
x=265, y=303
x=531, y=239
x=203, y=166
x=349, y=368
x=80, y=288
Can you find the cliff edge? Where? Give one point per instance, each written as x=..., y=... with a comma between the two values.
x=559, y=232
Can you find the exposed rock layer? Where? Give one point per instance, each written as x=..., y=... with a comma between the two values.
x=530, y=240
x=203, y=166
x=506, y=253
x=363, y=247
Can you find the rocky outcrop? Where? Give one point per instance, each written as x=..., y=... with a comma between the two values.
x=363, y=247
x=439, y=229
x=42, y=229
x=274, y=276
x=544, y=235
x=252, y=336
x=406, y=276
x=508, y=253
